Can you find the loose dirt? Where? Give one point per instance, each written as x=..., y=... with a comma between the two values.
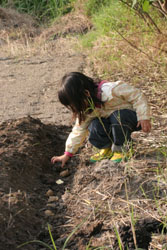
x=28, y=99
x=34, y=127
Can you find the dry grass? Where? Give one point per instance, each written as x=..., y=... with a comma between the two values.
x=130, y=58
x=117, y=195
x=23, y=37
x=110, y=192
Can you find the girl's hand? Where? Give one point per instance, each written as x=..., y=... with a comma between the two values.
x=145, y=125
x=63, y=158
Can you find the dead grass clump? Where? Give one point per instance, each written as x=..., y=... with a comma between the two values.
x=17, y=32
x=117, y=195
x=22, y=37
x=160, y=44
x=11, y=20
x=70, y=24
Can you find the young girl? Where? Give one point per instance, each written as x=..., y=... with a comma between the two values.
x=108, y=112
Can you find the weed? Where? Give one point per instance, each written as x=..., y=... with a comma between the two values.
x=118, y=238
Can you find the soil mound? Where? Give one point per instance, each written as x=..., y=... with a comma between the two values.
x=16, y=26
x=10, y=18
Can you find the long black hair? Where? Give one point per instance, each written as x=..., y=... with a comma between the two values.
x=78, y=92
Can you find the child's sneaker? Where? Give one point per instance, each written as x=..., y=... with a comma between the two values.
x=117, y=157
x=105, y=153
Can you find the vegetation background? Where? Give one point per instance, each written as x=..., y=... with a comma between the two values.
x=123, y=39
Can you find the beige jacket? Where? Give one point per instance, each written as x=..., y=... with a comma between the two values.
x=115, y=95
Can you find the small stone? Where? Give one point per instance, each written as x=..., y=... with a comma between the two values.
x=64, y=173
x=52, y=205
x=59, y=182
x=50, y=192
x=53, y=199
x=49, y=213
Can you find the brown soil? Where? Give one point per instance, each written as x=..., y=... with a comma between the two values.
x=26, y=175
x=34, y=127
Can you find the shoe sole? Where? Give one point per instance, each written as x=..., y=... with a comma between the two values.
x=104, y=158
x=117, y=161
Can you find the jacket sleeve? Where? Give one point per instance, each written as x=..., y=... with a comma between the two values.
x=134, y=96
x=76, y=137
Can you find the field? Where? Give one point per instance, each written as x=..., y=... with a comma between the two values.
x=87, y=206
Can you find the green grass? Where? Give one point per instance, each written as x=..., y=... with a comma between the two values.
x=93, y=6
x=113, y=16
x=109, y=22
x=120, y=40
x=109, y=18
x=40, y=9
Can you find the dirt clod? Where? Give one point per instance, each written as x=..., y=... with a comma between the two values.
x=65, y=173
x=49, y=213
x=53, y=199
x=50, y=193
x=141, y=237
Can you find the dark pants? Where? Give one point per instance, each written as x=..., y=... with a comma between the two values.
x=114, y=130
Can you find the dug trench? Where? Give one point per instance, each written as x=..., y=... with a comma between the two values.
x=35, y=194
x=28, y=181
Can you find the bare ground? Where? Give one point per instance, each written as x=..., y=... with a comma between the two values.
x=127, y=199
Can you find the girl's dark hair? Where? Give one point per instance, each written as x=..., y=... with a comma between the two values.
x=78, y=92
